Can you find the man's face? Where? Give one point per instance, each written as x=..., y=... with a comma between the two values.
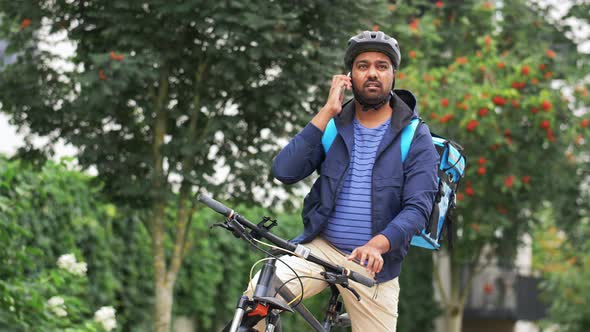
x=372, y=76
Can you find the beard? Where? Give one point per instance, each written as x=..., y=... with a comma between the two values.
x=371, y=98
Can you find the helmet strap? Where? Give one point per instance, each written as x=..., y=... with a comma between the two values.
x=366, y=106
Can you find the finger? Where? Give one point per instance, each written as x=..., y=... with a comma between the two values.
x=378, y=264
x=352, y=255
x=370, y=264
x=337, y=86
x=339, y=78
x=363, y=257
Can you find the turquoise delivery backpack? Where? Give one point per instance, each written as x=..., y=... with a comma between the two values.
x=450, y=172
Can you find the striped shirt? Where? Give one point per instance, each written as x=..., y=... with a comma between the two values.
x=349, y=225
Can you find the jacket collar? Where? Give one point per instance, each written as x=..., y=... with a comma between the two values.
x=403, y=103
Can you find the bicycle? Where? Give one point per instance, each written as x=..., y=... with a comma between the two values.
x=264, y=304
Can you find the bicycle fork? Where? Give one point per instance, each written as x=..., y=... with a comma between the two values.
x=240, y=310
x=260, y=292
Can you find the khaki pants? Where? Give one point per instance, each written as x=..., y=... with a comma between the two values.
x=377, y=310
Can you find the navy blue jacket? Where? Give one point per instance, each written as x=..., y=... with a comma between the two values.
x=402, y=193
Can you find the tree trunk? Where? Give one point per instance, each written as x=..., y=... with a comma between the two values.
x=163, y=307
x=453, y=291
x=165, y=274
x=162, y=287
x=455, y=311
x=455, y=319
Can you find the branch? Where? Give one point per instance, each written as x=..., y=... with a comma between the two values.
x=157, y=218
x=184, y=212
x=199, y=77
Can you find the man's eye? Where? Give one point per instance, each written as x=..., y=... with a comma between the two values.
x=362, y=66
x=383, y=67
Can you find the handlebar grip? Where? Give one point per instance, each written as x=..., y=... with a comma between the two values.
x=361, y=279
x=215, y=205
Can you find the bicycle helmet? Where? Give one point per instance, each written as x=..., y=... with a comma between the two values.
x=375, y=41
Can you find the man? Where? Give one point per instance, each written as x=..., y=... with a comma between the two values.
x=366, y=205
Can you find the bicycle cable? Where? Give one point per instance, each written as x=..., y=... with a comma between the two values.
x=288, y=252
x=280, y=260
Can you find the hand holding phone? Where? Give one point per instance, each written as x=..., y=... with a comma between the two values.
x=333, y=105
x=340, y=83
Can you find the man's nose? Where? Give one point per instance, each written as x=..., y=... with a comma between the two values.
x=372, y=72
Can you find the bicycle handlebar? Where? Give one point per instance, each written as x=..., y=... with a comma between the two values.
x=361, y=279
x=229, y=213
x=215, y=205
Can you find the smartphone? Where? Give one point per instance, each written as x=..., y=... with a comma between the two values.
x=343, y=91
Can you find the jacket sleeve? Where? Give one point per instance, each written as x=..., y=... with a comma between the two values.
x=303, y=155
x=419, y=189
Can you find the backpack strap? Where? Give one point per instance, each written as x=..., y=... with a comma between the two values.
x=407, y=137
x=331, y=131
x=329, y=135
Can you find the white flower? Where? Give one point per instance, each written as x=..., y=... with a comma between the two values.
x=79, y=269
x=106, y=317
x=66, y=261
x=109, y=324
x=56, y=304
x=60, y=312
x=104, y=313
x=55, y=301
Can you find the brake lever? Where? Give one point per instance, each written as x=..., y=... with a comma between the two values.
x=353, y=291
x=234, y=227
x=220, y=224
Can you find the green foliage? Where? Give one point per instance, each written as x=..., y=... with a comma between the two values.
x=52, y=211
x=563, y=259
x=417, y=307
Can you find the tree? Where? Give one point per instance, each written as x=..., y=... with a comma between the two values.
x=487, y=80
x=161, y=94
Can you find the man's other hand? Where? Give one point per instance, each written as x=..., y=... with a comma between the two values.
x=369, y=257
